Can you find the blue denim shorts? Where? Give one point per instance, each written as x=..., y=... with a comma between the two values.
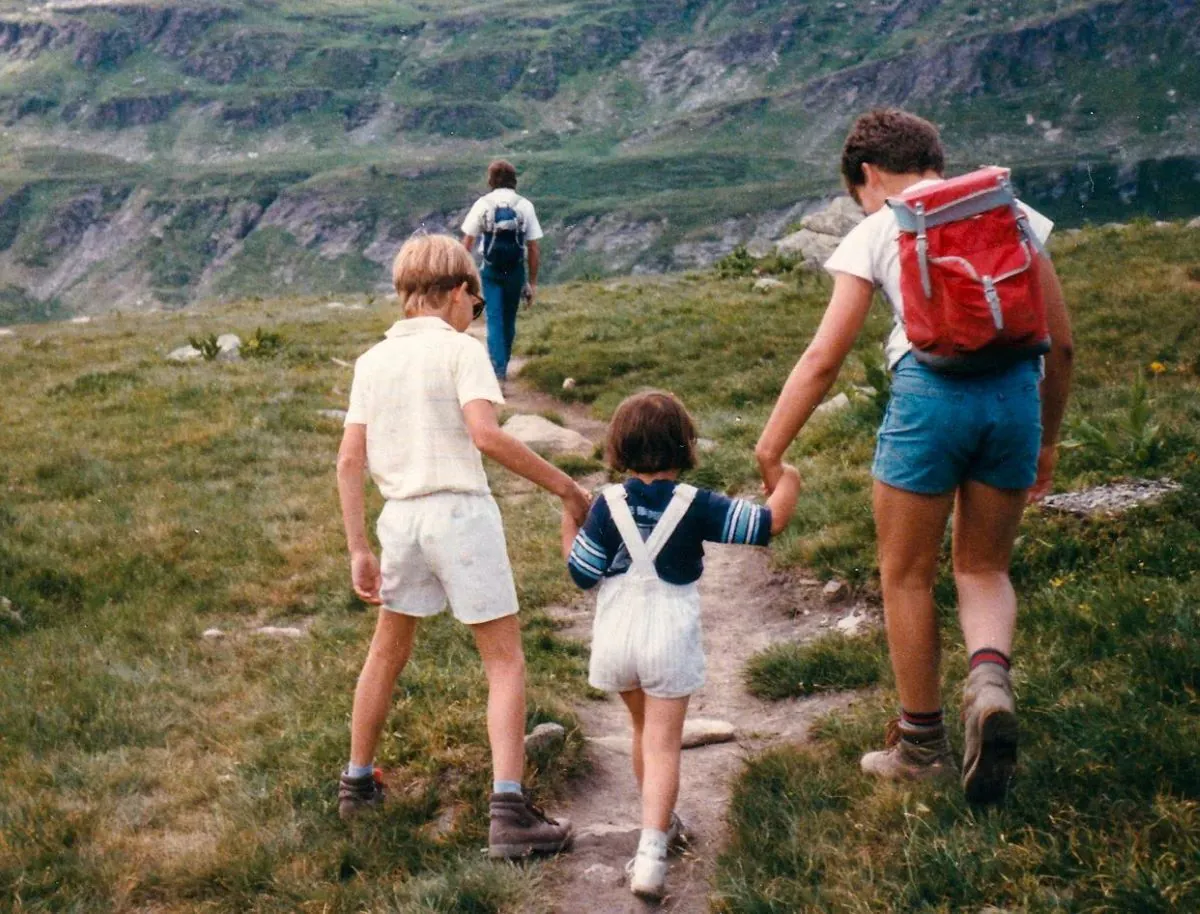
x=940, y=429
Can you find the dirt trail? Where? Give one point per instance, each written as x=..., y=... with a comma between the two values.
x=747, y=606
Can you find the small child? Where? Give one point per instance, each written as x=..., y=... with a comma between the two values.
x=421, y=411
x=643, y=543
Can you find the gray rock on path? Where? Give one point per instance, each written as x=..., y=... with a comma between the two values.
x=853, y=624
x=768, y=284
x=834, y=590
x=545, y=740
x=1114, y=498
x=704, y=731
x=1194, y=223
x=184, y=354
x=541, y=434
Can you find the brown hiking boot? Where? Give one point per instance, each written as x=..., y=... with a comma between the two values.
x=989, y=734
x=519, y=829
x=904, y=760
x=358, y=794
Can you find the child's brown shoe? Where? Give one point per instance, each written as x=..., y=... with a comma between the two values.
x=520, y=829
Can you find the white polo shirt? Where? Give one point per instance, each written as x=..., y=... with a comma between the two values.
x=872, y=252
x=409, y=391
x=473, y=224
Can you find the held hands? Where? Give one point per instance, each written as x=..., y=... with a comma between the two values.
x=364, y=574
x=1047, y=460
x=576, y=503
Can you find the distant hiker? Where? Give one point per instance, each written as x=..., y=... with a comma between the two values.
x=421, y=410
x=507, y=229
x=975, y=301
x=643, y=543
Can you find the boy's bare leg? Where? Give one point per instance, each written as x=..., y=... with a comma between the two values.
x=985, y=527
x=635, y=701
x=910, y=528
x=390, y=649
x=662, y=742
x=499, y=643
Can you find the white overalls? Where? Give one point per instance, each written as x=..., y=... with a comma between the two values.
x=647, y=631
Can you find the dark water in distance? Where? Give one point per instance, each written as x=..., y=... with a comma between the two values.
x=1095, y=193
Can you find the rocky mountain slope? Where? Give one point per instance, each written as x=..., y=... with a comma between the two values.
x=156, y=153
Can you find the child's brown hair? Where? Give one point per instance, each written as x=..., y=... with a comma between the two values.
x=651, y=432
x=428, y=268
x=893, y=140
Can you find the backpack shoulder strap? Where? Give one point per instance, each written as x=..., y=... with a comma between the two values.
x=667, y=524
x=622, y=517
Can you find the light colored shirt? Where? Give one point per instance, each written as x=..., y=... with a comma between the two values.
x=872, y=252
x=409, y=391
x=474, y=223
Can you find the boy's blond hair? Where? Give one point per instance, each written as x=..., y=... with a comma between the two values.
x=428, y=268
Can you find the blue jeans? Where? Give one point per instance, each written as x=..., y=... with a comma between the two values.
x=940, y=429
x=502, y=292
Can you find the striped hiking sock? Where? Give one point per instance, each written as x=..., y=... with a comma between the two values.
x=989, y=655
x=921, y=726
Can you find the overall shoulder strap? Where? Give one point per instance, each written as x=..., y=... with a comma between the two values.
x=678, y=507
x=626, y=526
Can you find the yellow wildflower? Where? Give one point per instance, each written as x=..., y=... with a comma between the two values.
x=1157, y=367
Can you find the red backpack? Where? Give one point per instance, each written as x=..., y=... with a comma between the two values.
x=972, y=300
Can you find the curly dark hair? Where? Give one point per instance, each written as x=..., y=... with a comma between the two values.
x=893, y=140
x=651, y=432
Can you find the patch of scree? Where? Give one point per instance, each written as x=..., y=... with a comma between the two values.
x=1113, y=498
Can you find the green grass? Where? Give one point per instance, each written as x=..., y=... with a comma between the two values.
x=147, y=768
x=1106, y=811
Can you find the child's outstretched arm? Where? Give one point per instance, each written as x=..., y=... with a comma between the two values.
x=507, y=451
x=815, y=373
x=783, y=499
x=351, y=464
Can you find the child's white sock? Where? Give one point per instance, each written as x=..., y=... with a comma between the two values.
x=359, y=771
x=506, y=786
x=653, y=842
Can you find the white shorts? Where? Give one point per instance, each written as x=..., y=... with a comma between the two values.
x=446, y=546
x=647, y=636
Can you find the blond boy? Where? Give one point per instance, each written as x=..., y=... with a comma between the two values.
x=422, y=409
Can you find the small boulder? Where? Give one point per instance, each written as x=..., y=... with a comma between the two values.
x=838, y=218
x=229, y=348
x=541, y=434
x=273, y=631
x=768, y=284
x=212, y=634
x=184, y=354
x=853, y=624
x=704, y=731
x=1194, y=223
x=833, y=405
x=545, y=740
x=834, y=590
x=568, y=384
x=814, y=247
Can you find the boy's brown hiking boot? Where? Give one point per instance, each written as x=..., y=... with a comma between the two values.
x=989, y=734
x=356, y=795
x=905, y=760
x=520, y=829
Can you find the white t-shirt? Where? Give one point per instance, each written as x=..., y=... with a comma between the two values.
x=872, y=252
x=409, y=391
x=473, y=224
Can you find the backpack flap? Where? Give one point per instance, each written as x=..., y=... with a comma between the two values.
x=968, y=273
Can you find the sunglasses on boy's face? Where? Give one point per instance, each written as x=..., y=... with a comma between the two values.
x=477, y=304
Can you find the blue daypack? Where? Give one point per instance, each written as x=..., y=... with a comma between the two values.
x=504, y=238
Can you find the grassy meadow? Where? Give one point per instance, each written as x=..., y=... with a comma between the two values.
x=149, y=769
